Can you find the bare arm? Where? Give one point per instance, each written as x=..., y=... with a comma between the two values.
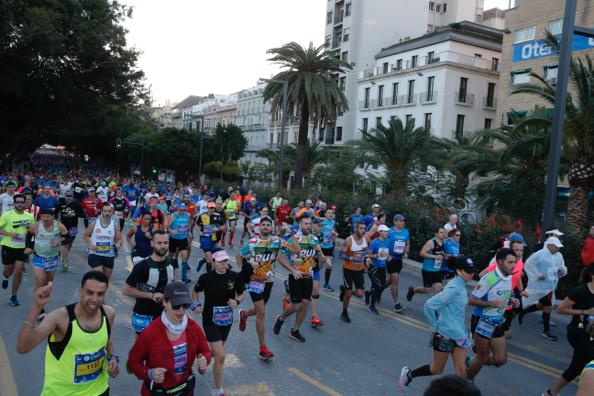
x=425, y=250
x=87, y=235
x=130, y=235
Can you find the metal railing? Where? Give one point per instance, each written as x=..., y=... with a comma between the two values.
x=408, y=99
x=489, y=102
x=464, y=98
x=428, y=97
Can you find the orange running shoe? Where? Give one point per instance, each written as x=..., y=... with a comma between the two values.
x=316, y=322
x=265, y=354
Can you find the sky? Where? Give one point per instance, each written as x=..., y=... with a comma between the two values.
x=197, y=47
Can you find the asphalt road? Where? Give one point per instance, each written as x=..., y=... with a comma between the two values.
x=360, y=358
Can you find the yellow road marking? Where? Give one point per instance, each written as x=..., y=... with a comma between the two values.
x=313, y=381
x=7, y=383
x=260, y=389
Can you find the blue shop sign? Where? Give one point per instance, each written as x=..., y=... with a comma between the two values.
x=541, y=48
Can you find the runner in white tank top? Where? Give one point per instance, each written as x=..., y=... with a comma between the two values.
x=103, y=237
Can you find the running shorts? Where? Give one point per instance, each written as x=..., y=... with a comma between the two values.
x=300, y=289
x=497, y=333
x=10, y=255
x=431, y=277
x=95, y=261
x=443, y=343
x=353, y=277
x=265, y=295
x=215, y=332
x=394, y=266
x=176, y=244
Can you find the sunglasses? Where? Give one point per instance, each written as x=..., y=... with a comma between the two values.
x=177, y=307
x=457, y=234
x=19, y=203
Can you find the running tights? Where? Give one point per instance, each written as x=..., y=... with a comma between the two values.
x=377, y=276
x=583, y=352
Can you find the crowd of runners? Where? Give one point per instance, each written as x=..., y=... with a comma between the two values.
x=169, y=280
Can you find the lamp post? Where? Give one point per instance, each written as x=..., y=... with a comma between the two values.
x=283, y=124
x=201, y=145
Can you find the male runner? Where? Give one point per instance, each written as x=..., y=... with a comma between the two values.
x=103, y=237
x=179, y=229
x=254, y=224
x=282, y=215
x=400, y=237
x=47, y=198
x=69, y=211
x=301, y=250
x=146, y=283
x=209, y=224
x=257, y=258
x=329, y=235
x=121, y=206
x=353, y=252
x=490, y=297
x=14, y=225
x=92, y=206
x=79, y=355
x=230, y=208
x=103, y=192
x=7, y=198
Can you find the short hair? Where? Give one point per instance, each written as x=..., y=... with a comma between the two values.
x=303, y=216
x=437, y=229
x=94, y=275
x=512, y=243
x=160, y=232
x=359, y=223
x=503, y=253
x=451, y=385
x=453, y=231
x=17, y=196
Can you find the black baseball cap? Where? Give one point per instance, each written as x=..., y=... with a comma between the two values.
x=177, y=293
x=465, y=264
x=46, y=211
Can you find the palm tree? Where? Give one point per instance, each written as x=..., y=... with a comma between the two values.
x=400, y=147
x=314, y=154
x=272, y=157
x=313, y=92
x=579, y=132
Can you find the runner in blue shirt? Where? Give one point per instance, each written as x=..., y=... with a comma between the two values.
x=379, y=255
x=329, y=235
x=179, y=225
x=400, y=247
x=451, y=248
x=433, y=255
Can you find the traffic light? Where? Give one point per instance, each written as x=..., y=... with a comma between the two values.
x=118, y=143
x=154, y=171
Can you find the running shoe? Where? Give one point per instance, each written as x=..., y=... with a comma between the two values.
x=265, y=354
x=398, y=308
x=373, y=309
x=329, y=288
x=547, y=393
x=410, y=293
x=547, y=335
x=316, y=322
x=14, y=301
x=5, y=283
x=286, y=302
x=341, y=295
x=65, y=266
x=404, y=379
x=296, y=335
x=367, y=295
x=345, y=317
x=277, y=325
x=243, y=317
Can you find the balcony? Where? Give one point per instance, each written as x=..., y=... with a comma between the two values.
x=338, y=17
x=489, y=103
x=465, y=134
x=364, y=105
x=336, y=41
x=464, y=99
x=408, y=100
x=428, y=97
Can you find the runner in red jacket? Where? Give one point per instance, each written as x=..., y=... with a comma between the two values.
x=588, y=249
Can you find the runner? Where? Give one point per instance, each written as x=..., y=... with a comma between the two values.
x=69, y=211
x=282, y=215
x=223, y=292
x=139, y=238
x=47, y=199
x=179, y=226
x=7, y=198
x=230, y=208
x=306, y=210
x=490, y=297
x=132, y=192
x=103, y=192
x=257, y=258
x=301, y=250
x=79, y=355
x=451, y=248
x=92, y=206
x=29, y=206
x=121, y=206
x=254, y=223
x=378, y=256
x=445, y=313
x=164, y=353
x=14, y=225
x=544, y=268
x=580, y=305
x=208, y=226
x=103, y=237
x=275, y=201
x=159, y=220
x=329, y=235
x=47, y=236
x=400, y=237
x=146, y=283
x=433, y=255
x=353, y=252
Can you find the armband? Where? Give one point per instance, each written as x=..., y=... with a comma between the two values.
x=29, y=241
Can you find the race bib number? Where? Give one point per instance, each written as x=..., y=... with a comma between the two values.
x=103, y=247
x=140, y=322
x=18, y=239
x=119, y=214
x=382, y=254
x=209, y=229
x=256, y=287
x=485, y=327
x=180, y=358
x=222, y=316
x=88, y=366
x=183, y=228
x=399, y=247
x=437, y=264
x=72, y=231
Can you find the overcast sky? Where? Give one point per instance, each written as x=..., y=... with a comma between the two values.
x=197, y=47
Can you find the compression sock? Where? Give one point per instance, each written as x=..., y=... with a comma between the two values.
x=327, y=276
x=223, y=234
x=422, y=371
x=532, y=308
x=184, y=270
x=546, y=320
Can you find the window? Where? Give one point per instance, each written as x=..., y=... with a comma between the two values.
x=394, y=93
x=556, y=26
x=411, y=91
x=321, y=134
x=430, y=85
x=338, y=134
x=366, y=100
x=431, y=6
x=438, y=8
x=430, y=56
x=550, y=73
x=488, y=123
x=427, y=121
x=271, y=138
x=462, y=92
x=342, y=83
x=378, y=122
x=430, y=28
x=399, y=64
x=345, y=56
x=525, y=34
x=408, y=118
x=520, y=77
x=329, y=17
x=345, y=34
x=365, y=124
x=380, y=95
x=460, y=125
x=495, y=64
x=327, y=42
x=445, y=7
x=490, y=95
x=414, y=61
x=347, y=9
x=385, y=66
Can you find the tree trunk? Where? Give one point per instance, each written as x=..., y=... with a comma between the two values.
x=577, y=210
x=301, y=143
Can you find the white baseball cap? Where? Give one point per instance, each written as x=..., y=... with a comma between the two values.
x=555, y=232
x=554, y=241
x=383, y=227
x=375, y=205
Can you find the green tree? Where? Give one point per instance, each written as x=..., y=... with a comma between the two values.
x=314, y=154
x=579, y=132
x=230, y=142
x=67, y=76
x=313, y=92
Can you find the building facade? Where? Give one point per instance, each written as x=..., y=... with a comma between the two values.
x=253, y=117
x=445, y=80
x=525, y=50
x=356, y=29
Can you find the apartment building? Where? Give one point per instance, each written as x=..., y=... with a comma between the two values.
x=356, y=29
x=253, y=117
x=445, y=80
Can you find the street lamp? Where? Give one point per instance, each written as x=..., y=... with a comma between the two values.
x=201, y=145
x=285, y=84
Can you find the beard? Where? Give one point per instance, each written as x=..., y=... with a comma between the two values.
x=161, y=252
